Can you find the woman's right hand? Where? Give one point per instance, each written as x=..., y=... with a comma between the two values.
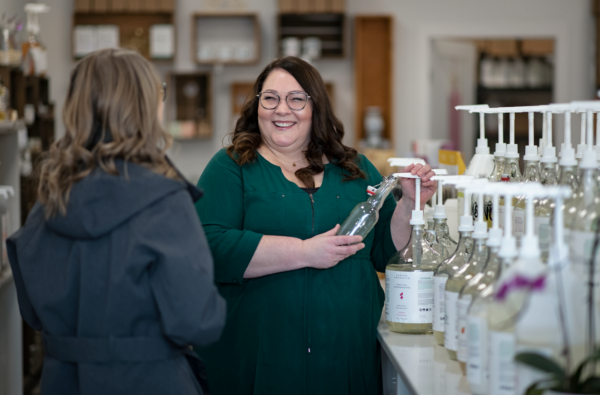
x=326, y=250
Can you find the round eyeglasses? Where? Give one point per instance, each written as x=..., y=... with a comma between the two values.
x=164, y=91
x=295, y=100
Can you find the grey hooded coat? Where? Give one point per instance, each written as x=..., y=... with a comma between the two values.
x=120, y=286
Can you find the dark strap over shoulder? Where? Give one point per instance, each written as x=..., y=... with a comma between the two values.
x=111, y=349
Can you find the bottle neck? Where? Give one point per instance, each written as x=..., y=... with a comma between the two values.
x=465, y=242
x=499, y=163
x=568, y=176
x=480, y=251
x=416, y=244
x=548, y=175
x=512, y=168
x=493, y=264
x=382, y=193
x=531, y=171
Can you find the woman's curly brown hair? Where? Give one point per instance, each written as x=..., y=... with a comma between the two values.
x=325, y=136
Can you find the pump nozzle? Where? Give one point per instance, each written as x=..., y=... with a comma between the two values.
x=440, y=210
x=482, y=145
x=403, y=162
x=581, y=145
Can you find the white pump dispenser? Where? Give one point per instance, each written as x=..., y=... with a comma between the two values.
x=581, y=145
x=482, y=162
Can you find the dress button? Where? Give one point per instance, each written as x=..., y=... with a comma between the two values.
x=338, y=197
x=282, y=195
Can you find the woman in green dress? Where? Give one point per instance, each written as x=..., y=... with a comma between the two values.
x=302, y=304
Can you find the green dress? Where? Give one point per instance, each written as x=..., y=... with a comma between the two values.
x=306, y=331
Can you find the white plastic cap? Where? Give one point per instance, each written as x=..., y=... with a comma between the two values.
x=512, y=151
x=549, y=155
x=466, y=224
x=494, y=237
x=417, y=218
x=480, y=230
x=500, y=149
x=589, y=161
x=580, y=149
x=531, y=153
x=508, y=247
x=529, y=247
x=482, y=147
x=440, y=212
x=568, y=157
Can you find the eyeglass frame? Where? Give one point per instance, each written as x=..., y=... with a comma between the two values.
x=164, y=88
x=286, y=102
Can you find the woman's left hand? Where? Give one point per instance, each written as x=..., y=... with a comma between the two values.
x=428, y=187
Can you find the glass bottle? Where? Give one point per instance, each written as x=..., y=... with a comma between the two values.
x=365, y=215
x=34, y=52
x=512, y=169
x=409, y=286
x=445, y=244
x=498, y=170
x=460, y=256
x=531, y=174
x=454, y=285
x=543, y=210
x=501, y=217
x=588, y=188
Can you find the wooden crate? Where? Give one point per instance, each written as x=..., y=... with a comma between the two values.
x=373, y=70
x=192, y=105
x=328, y=27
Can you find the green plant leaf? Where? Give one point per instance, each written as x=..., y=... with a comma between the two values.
x=542, y=363
x=591, y=386
x=595, y=355
x=540, y=387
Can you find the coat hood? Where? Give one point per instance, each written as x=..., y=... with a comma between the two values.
x=101, y=202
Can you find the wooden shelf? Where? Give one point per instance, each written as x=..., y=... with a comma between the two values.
x=373, y=71
x=134, y=29
x=328, y=27
x=226, y=38
x=190, y=117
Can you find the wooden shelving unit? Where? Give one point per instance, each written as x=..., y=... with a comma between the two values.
x=226, y=38
x=133, y=18
x=328, y=27
x=373, y=70
x=190, y=106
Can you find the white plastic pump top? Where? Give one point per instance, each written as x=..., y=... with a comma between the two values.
x=560, y=250
x=589, y=159
x=403, y=162
x=531, y=150
x=567, y=157
x=512, y=149
x=482, y=144
x=549, y=153
x=417, y=213
x=581, y=145
x=440, y=209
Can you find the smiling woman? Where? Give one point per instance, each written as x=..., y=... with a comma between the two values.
x=303, y=303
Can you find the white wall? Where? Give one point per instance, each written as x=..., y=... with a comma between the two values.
x=417, y=22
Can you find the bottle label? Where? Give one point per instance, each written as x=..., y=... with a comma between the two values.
x=518, y=222
x=477, y=334
x=409, y=297
x=451, y=314
x=542, y=230
x=502, y=365
x=501, y=216
x=463, y=342
x=439, y=303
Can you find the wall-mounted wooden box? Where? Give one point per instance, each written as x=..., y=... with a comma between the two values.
x=310, y=6
x=189, y=102
x=328, y=27
x=146, y=26
x=373, y=71
x=225, y=38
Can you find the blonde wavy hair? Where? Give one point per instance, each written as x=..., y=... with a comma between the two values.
x=111, y=112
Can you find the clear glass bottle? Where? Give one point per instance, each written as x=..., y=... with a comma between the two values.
x=531, y=174
x=445, y=244
x=456, y=284
x=512, y=169
x=470, y=292
x=543, y=210
x=588, y=189
x=501, y=219
x=498, y=170
x=409, y=286
x=365, y=215
x=460, y=256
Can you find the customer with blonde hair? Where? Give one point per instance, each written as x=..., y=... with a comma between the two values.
x=112, y=264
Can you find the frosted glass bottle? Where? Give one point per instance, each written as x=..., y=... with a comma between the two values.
x=454, y=286
x=512, y=169
x=588, y=188
x=409, y=286
x=365, y=215
x=460, y=256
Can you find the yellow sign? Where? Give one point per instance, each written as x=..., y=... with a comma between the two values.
x=451, y=161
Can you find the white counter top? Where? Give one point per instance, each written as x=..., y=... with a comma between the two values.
x=422, y=367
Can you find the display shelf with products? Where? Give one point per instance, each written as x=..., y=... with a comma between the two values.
x=11, y=375
x=189, y=106
x=328, y=28
x=226, y=38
